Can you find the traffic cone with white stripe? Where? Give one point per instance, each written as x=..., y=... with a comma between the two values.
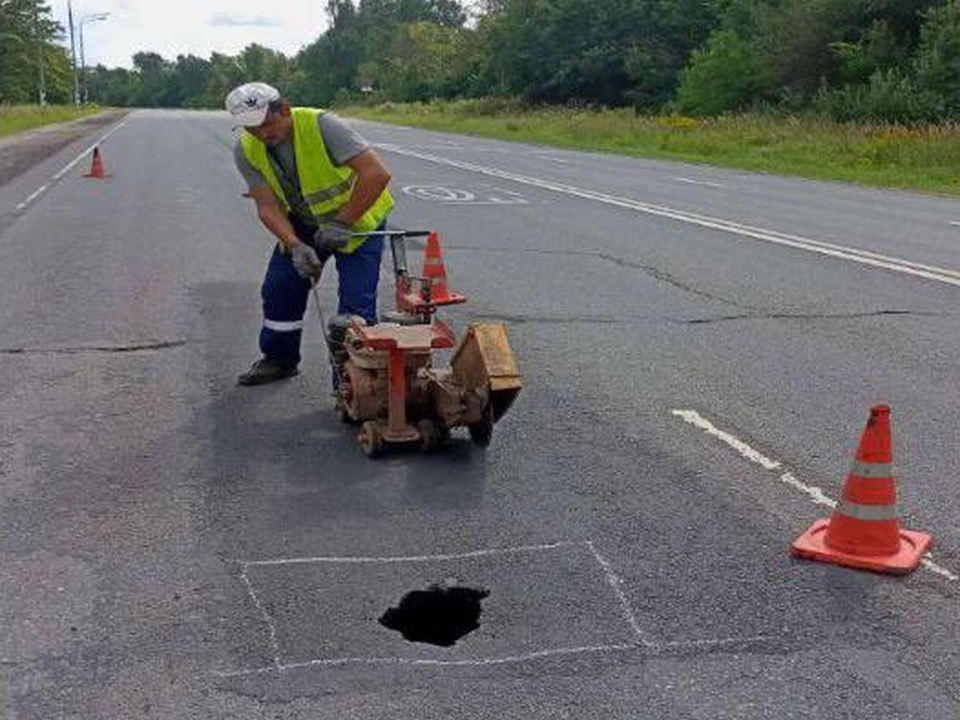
x=435, y=275
x=864, y=531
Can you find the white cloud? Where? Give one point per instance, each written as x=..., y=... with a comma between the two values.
x=198, y=27
x=225, y=20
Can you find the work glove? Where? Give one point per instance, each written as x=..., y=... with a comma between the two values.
x=306, y=261
x=329, y=238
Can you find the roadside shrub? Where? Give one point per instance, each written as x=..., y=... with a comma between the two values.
x=725, y=77
x=938, y=58
x=890, y=96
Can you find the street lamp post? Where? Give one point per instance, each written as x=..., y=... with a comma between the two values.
x=42, y=85
x=73, y=56
x=96, y=17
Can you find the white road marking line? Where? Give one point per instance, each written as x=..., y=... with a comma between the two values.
x=954, y=222
x=691, y=181
x=815, y=493
x=694, y=418
x=39, y=191
x=552, y=158
x=69, y=166
x=30, y=198
x=864, y=257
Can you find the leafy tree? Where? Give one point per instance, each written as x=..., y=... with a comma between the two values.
x=27, y=33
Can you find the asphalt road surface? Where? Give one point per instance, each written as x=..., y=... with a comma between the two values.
x=700, y=348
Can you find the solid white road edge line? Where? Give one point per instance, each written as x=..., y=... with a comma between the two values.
x=815, y=493
x=864, y=257
x=32, y=196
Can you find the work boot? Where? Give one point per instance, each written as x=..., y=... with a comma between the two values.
x=266, y=370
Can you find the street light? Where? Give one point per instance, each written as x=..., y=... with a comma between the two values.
x=95, y=17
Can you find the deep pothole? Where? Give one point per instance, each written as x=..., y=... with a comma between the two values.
x=439, y=615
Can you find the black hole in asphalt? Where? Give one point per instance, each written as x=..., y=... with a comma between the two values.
x=438, y=615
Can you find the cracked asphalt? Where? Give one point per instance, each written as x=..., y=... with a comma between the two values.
x=173, y=546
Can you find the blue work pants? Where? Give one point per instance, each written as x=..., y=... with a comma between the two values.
x=285, y=294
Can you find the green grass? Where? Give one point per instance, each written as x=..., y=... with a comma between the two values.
x=923, y=158
x=16, y=118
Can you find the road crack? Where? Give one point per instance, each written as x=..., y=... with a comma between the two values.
x=654, y=272
x=76, y=349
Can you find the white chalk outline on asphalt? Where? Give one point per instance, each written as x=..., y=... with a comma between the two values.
x=864, y=257
x=63, y=171
x=815, y=493
x=613, y=580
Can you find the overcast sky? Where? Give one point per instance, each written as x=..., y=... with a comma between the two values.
x=180, y=27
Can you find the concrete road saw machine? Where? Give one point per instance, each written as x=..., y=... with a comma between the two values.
x=384, y=374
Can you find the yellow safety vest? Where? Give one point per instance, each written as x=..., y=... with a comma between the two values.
x=325, y=187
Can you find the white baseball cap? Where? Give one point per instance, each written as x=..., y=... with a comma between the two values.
x=249, y=103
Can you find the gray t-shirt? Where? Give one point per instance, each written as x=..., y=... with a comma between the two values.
x=342, y=142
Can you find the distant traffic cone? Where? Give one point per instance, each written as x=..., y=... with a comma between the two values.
x=435, y=274
x=864, y=531
x=96, y=169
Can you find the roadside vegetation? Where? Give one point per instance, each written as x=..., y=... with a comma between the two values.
x=15, y=118
x=865, y=90
x=923, y=157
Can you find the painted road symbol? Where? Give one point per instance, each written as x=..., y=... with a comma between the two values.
x=459, y=196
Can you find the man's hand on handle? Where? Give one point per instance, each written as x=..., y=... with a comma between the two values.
x=329, y=238
x=306, y=261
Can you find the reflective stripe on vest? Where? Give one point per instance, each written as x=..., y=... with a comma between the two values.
x=325, y=187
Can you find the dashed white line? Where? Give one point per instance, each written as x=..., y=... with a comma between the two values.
x=815, y=493
x=864, y=257
x=69, y=166
x=64, y=170
x=696, y=419
x=691, y=181
x=34, y=195
x=954, y=222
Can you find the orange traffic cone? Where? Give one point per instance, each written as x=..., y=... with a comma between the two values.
x=96, y=169
x=864, y=531
x=435, y=274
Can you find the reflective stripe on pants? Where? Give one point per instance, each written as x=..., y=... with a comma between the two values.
x=285, y=295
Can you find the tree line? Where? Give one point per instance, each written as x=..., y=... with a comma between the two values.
x=890, y=60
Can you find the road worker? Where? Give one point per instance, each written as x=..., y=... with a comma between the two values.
x=317, y=185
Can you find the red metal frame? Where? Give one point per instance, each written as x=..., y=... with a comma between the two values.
x=397, y=340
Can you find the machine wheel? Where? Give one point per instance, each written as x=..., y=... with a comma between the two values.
x=482, y=432
x=342, y=414
x=431, y=436
x=371, y=439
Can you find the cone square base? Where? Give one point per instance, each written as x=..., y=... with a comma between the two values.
x=913, y=545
